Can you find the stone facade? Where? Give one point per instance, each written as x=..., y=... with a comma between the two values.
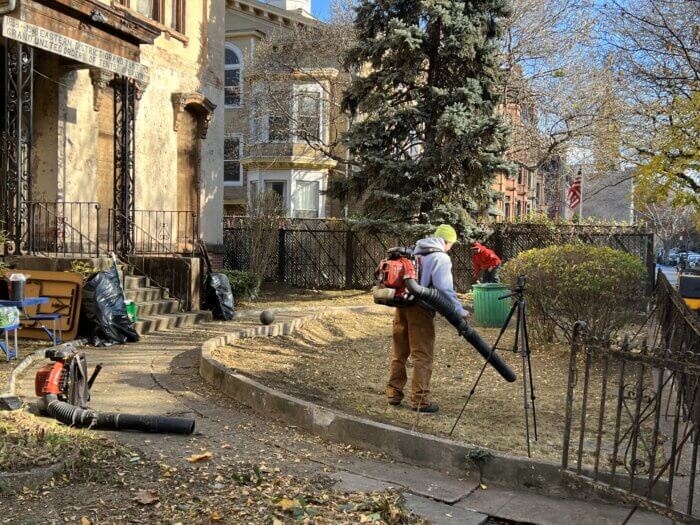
x=299, y=173
x=179, y=123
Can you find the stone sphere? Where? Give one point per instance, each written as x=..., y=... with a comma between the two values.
x=267, y=317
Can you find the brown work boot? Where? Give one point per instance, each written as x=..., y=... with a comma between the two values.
x=394, y=396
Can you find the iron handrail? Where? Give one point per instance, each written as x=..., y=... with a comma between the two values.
x=65, y=223
x=124, y=258
x=176, y=219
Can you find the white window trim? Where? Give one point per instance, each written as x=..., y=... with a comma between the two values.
x=230, y=183
x=239, y=67
x=299, y=89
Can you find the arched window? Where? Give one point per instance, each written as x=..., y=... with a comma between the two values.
x=233, y=69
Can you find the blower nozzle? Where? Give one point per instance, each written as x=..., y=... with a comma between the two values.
x=442, y=304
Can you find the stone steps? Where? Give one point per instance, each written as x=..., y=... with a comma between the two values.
x=145, y=294
x=163, y=306
x=157, y=323
x=157, y=311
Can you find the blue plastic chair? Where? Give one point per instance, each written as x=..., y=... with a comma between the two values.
x=5, y=346
x=55, y=334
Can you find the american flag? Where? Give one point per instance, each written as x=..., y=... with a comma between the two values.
x=574, y=193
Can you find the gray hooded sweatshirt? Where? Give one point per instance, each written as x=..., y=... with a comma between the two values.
x=437, y=268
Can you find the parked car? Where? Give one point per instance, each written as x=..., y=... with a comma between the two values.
x=694, y=261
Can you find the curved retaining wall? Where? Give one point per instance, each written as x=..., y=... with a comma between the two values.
x=402, y=444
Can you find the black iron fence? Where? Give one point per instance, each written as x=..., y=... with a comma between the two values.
x=318, y=253
x=158, y=232
x=65, y=228
x=633, y=414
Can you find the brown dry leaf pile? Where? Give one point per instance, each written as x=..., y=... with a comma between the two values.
x=202, y=489
x=342, y=361
x=283, y=296
x=27, y=441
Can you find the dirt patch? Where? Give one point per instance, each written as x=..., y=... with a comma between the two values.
x=275, y=295
x=342, y=361
x=284, y=296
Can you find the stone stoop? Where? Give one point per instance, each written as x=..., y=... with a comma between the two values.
x=157, y=312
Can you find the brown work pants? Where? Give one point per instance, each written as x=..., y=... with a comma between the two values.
x=414, y=335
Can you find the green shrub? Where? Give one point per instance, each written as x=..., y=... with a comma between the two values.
x=245, y=285
x=578, y=282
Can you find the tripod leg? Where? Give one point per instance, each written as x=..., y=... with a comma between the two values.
x=483, y=368
x=520, y=334
x=526, y=339
x=505, y=324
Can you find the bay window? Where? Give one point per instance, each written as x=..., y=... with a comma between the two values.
x=306, y=199
x=308, y=114
x=233, y=66
x=233, y=151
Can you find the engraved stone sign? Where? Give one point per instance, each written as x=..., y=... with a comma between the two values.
x=58, y=44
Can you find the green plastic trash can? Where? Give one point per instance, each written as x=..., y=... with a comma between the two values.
x=488, y=310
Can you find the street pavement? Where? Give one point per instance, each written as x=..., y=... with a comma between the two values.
x=671, y=272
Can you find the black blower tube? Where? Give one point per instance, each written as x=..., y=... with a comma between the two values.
x=80, y=417
x=442, y=304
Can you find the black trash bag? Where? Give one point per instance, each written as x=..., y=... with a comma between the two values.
x=103, y=317
x=218, y=296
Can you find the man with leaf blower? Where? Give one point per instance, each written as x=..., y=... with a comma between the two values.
x=414, y=325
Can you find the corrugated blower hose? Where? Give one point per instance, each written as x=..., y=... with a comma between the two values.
x=64, y=391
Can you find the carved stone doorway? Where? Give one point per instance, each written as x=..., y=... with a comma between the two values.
x=187, y=179
x=192, y=115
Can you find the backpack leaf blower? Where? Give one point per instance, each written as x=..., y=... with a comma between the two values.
x=64, y=391
x=398, y=286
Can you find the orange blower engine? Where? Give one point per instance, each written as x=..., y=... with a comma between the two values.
x=63, y=389
x=391, y=275
x=65, y=378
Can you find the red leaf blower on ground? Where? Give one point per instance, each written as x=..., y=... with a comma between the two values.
x=64, y=391
x=398, y=285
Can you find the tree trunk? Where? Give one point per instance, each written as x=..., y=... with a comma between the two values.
x=667, y=246
x=430, y=146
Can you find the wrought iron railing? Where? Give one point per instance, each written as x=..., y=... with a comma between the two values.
x=178, y=282
x=160, y=232
x=65, y=228
x=632, y=425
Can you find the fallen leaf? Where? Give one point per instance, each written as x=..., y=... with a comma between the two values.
x=195, y=458
x=287, y=504
x=216, y=516
x=85, y=521
x=482, y=486
x=147, y=497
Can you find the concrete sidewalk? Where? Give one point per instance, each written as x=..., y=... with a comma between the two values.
x=159, y=375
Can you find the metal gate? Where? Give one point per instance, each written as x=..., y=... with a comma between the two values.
x=631, y=428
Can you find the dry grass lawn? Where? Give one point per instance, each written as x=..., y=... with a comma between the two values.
x=342, y=361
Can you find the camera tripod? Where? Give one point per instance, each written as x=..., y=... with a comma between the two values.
x=521, y=345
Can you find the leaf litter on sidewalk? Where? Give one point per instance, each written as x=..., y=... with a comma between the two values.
x=135, y=489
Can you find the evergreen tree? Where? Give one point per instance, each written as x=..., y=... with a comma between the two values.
x=427, y=140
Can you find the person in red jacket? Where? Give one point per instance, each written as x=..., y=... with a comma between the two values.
x=487, y=261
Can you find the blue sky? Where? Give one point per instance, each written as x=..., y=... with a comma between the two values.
x=319, y=8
